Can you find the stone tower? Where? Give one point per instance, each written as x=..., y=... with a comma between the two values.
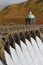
x=30, y=19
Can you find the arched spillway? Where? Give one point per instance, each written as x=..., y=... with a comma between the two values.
x=22, y=48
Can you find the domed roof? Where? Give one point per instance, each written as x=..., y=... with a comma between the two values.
x=30, y=15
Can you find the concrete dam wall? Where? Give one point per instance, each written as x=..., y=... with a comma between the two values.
x=14, y=33
x=18, y=28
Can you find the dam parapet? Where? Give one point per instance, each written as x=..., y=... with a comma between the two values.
x=18, y=28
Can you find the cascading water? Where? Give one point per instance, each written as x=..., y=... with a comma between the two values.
x=37, y=51
x=40, y=44
x=1, y=63
x=14, y=56
x=30, y=53
x=20, y=55
x=26, y=53
x=8, y=59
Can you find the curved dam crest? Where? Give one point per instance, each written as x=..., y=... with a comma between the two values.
x=21, y=43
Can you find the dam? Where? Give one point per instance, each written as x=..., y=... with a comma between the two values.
x=14, y=39
x=21, y=44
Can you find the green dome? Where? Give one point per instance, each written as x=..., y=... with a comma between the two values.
x=30, y=16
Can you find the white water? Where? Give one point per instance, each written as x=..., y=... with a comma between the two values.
x=1, y=63
x=37, y=51
x=14, y=56
x=26, y=53
x=20, y=55
x=8, y=59
x=30, y=54
x=40, y=44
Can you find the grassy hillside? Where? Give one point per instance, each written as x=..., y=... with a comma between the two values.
x=38, y=1
x=16, y=13
x=1, y=8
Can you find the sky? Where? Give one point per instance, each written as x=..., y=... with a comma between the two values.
x=7, y=2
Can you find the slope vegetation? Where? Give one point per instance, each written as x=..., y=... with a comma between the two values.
x=16, y=13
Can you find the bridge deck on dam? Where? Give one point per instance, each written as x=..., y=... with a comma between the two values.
x=18, y=28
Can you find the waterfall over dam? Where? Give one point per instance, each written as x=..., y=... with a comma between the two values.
x=21, y=45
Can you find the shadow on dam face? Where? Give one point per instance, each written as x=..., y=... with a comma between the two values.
x=16, y=37
x=39, y=34
x=27, y=35
x=11, y=41
x=7, y=48
x=32, y=34
x=2, y=56
x=22, y=37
